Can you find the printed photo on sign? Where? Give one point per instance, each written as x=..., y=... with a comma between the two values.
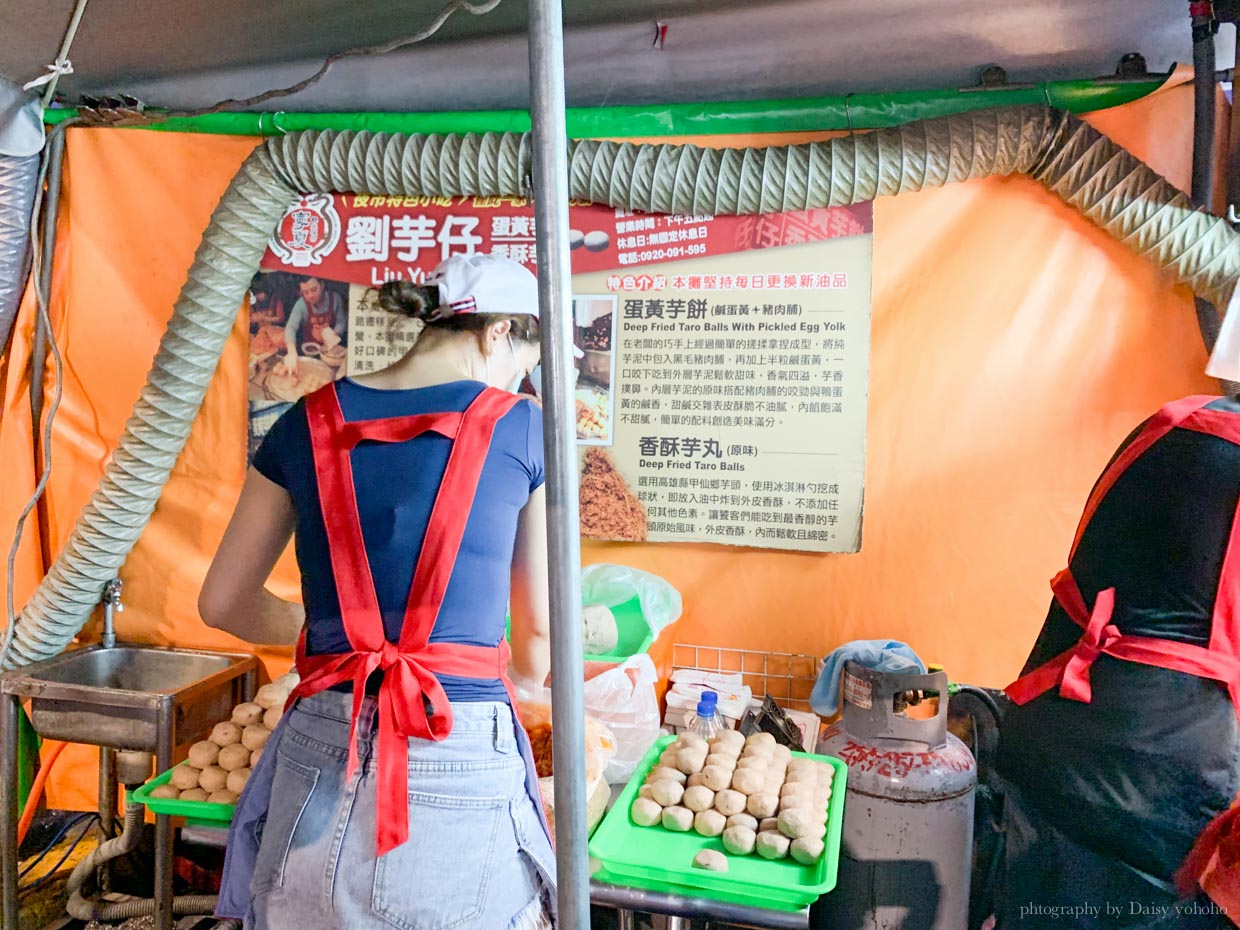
x=595, y=318
x=298, y=335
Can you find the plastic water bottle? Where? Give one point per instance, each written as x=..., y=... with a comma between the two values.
x=705, y=722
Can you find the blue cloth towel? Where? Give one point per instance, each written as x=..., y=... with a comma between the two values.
x=883, y=655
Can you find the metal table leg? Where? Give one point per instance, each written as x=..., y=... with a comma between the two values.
x=163, y=831
x=107, y=809
x=627, y=919
x=9, y=711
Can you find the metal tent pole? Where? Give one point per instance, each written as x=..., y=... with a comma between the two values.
x=550, y=166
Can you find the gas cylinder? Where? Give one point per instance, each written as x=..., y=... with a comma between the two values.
x=906, y=858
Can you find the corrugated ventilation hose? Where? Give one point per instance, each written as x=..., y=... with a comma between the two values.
x=82, y=908
x=1076, y=162
x=17, y=184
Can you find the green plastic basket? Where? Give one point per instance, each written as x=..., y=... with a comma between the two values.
x=199, y=811
x=659, y=860
x=635, y=633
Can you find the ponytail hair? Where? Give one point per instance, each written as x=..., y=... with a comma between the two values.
x=418, y=302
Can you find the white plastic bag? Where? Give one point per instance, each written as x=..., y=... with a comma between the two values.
x=614, y=585
x=623, y=699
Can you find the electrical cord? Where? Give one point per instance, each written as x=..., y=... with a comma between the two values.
x=48, y=876
x=52, y=843
x=136, y=118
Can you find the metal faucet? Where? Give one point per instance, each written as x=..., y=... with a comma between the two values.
x=111, y=605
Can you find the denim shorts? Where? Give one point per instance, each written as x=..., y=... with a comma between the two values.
x=477, y=857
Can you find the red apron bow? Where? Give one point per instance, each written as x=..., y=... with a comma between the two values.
x=412, y=702
x=1070, y=670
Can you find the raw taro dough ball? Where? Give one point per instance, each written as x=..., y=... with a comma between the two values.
x=720, y=759
x=677, y=819
x=669, y=757
x=761, y=739
x=223, y=796
x=796, y=823
x=166, y=792
x=716, y=777
x=735, y=737
x=667, y=793
x=212, y=779
x=203, y=754
x=225, y=734
x=185, y=777
x=752, y=762
x=803, y=769
x=255, y=737
x=762, y=805
x=236, y=781
x=747, y=781
x=193, y=794
x=711, y=860
x=233, y=757
x=255, y=756
x=772, y=845
x=270, y=696
x=796, y=802
x=744, y=820
x=646, y=791
x=769, y=825
x=691, y=741
x=807, y=850
x=245, y=714
x=695, y=780
x=739, y=840
x=272, y=717
x=729, y=802
x=782, y=754
x=646, y=813
x=666, y=772
x=599, y=633
x=691, y=761
x=797, y=787
x=772, y=786
x=709, y=823
x=699, y=799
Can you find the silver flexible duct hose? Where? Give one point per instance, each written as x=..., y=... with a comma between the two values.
x=1073, y=160
x=82, y=908
x=17, y=185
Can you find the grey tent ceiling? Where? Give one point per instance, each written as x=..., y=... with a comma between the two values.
x=194, y=52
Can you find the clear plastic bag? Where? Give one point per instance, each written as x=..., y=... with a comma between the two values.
x=614, y=585
x=535, y=709
x=623, y=698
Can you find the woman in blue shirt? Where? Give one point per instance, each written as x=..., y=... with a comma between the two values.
x=400, y=789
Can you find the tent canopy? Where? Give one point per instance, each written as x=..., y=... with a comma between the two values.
x=207, y=50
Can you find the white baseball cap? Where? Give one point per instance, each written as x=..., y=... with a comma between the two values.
x=1225, y=359
x=481, y=283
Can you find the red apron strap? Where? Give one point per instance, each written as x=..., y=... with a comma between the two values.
x=1163, y=422
x=355, y=587
x=450, y=515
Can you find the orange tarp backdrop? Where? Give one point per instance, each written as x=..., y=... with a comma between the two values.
x=1014, y=346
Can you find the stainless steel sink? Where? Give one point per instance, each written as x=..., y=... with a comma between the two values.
x=131, y=668
x=128, y=697
x=117, y=698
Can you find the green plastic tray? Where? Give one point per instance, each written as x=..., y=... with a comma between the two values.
x=194, y=810
x=660, y=860
x=635, y=633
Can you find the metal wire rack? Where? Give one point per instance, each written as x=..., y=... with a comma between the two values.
x=785, y=676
